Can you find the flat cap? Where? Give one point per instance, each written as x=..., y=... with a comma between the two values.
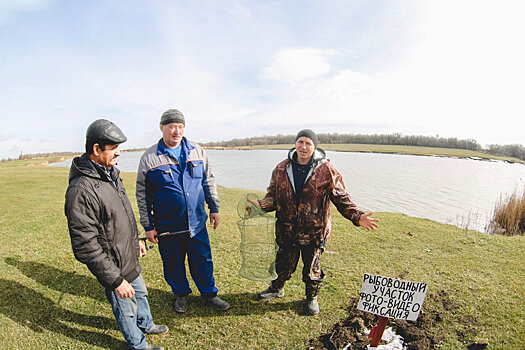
x=102, y=130
x=172, y=116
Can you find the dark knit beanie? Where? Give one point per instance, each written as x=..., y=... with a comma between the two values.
x=308, y=133
x=172, y=116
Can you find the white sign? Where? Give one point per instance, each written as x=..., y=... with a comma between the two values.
x=391, y=297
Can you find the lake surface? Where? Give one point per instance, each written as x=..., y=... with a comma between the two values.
x=461, y=192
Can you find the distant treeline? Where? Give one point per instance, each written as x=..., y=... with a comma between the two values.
x=41, y=155
x=514, y=150
x=58, y=154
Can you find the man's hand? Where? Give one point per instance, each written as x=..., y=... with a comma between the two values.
x=214, y=220
x=254, y=202
x=143, y=249
x=367, y=222
x=152, y=236
x=125, y=290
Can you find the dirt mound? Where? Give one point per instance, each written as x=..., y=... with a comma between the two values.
x=417, y=335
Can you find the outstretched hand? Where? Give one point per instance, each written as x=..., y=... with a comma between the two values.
x=368, y=222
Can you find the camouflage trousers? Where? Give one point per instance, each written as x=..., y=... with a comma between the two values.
x=286, y=263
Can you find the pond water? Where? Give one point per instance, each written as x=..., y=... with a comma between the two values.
x=461, y=192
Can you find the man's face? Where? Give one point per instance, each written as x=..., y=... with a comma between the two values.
x=172, y=134
x=305, y=149
x=106, y=157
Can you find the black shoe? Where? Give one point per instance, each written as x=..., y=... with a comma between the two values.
x=270, y=294
x=158, y=329
x=311, y=306
x=181, y=303
x=216, y=303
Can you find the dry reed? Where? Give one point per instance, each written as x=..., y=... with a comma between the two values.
x=509, y=216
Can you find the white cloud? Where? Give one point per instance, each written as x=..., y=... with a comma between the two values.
x=294, y=65
x=464, y=79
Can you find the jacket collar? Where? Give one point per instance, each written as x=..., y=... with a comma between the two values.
x=318, y=158
x=186, y=146
x=84, y=166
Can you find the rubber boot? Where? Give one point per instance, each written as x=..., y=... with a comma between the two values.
x=270, y=294
x=311, y=306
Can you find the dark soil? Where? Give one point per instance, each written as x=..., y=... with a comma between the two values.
x=417, y=335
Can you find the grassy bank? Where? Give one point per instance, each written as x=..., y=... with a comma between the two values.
x=49, y=300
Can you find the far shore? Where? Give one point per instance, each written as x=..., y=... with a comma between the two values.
x=389, y=149
x=46, y=159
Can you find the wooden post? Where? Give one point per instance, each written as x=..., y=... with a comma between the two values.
x=377, y=331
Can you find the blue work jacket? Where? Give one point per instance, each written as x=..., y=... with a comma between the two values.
x=171, y=195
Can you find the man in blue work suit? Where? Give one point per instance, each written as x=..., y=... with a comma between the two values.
x=174, y=181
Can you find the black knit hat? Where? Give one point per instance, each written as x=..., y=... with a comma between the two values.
x=172, y=116
x=308, y=133
x=105, y=132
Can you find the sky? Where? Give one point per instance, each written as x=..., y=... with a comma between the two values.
x=236, y=69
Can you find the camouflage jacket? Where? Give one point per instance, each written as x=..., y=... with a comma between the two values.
x=309, y=218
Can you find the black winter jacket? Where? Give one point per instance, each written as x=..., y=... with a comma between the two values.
x=101, y=223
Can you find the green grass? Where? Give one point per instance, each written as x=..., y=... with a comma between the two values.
x=51, y=301
x=394, y=149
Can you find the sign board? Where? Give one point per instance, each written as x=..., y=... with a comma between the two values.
x=391, y=297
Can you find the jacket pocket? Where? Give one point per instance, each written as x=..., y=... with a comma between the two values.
x=196, y=169
x=161, y=175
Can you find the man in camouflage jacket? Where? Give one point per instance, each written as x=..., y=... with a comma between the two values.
x=301, y=191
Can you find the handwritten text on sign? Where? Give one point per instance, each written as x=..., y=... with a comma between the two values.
x=391, y=297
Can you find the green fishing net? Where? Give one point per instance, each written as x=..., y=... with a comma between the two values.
x=257, y=246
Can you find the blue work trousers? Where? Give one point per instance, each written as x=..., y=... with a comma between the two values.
x=174, y=249
x=133, y=314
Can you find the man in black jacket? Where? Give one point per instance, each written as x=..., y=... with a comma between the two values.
x=104, y=233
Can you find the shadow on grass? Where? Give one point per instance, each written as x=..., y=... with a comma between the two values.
x=241, y=304
x=61, y=281
x=75, y=284
x=31, y=309
x=161, y=301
